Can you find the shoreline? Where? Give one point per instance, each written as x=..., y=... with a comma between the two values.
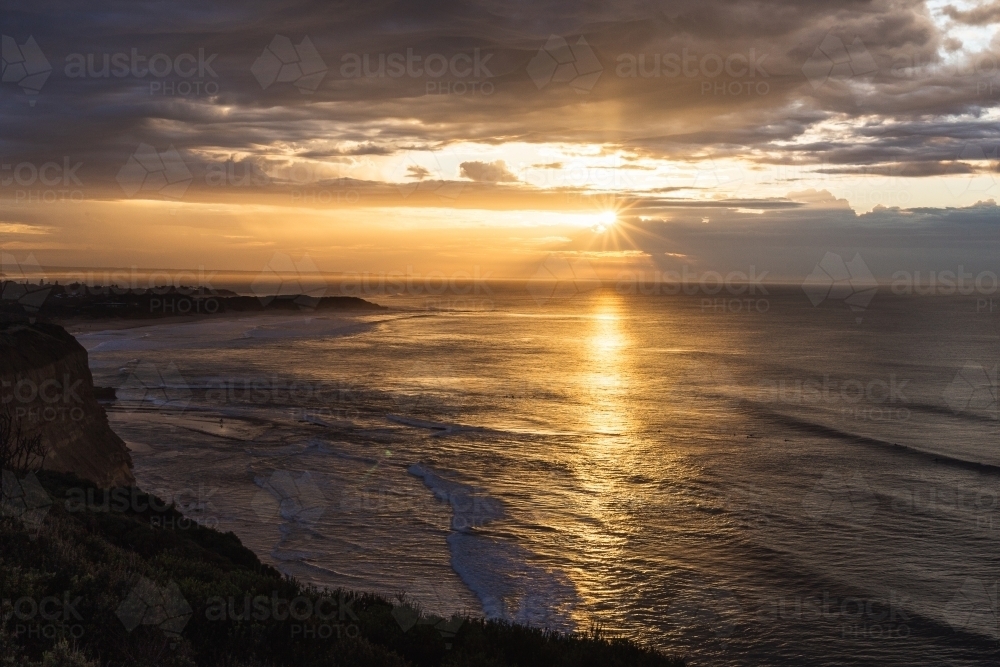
x=76, y=325
x=198, y=595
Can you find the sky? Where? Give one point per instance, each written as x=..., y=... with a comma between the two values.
x=487, y=137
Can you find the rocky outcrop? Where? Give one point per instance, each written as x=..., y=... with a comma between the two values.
x=46, y=386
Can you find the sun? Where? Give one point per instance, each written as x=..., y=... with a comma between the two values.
x=605, y=220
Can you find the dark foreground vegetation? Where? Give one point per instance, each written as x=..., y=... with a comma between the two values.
x=92, y=578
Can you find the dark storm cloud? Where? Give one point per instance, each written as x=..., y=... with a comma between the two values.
x=905, y=169
x=662, y=79
x=648, y=204
x=788, y=241
x=363, y=149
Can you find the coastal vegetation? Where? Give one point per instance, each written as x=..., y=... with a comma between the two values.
x=91, y=577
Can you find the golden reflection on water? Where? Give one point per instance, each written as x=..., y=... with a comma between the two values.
x=607, y=456
x=604, y=369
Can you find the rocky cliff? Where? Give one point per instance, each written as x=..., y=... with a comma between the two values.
x=46, y=386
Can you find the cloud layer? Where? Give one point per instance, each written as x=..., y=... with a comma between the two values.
x=253, y=102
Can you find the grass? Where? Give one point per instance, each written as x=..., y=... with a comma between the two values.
x=146, y=589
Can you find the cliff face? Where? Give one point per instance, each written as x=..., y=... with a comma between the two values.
x=46, y=385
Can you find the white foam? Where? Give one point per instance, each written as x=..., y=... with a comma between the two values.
x=510, y=588
x=498, y=572
x=470, y=509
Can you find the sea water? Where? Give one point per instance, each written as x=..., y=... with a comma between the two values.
x=779, y=484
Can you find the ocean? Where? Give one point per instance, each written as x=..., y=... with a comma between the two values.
x=770, y=483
